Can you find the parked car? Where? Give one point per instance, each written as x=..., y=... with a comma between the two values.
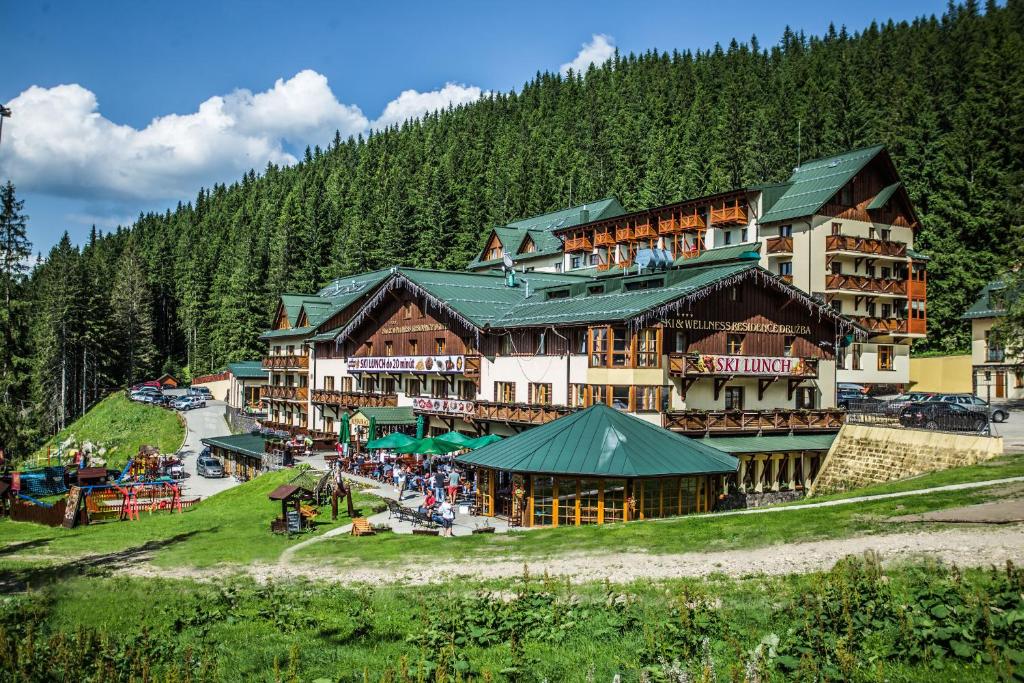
x=163, y=401
x=896, y=404
x=199, y=391
x=182, y=403
x=945, y=416
x=855, y=399
x=972, y=402
x=143, y=397
x=208, y=466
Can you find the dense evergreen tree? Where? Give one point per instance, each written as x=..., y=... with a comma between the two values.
x=15, y=363
x=200, y=282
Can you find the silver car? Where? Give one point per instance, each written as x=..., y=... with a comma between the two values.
x=971, y=401
x=208, y=466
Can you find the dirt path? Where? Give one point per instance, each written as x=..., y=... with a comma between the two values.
x=971, y=547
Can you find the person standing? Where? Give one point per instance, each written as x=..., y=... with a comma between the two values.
x=439, y=484
x=453, y=486
x=447, y=517
x=400, y=477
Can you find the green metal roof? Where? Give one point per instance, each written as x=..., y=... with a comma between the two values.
x=390, y=415
x=293, y=304
x=251, y=445
x=771, y=444
x=602, y=442
x=289, y=332
x=574, y=215
x=815, y=182
x=985, y=306
x=247, y=369
x=918, y=256
x=733, y=252
x=883, y=197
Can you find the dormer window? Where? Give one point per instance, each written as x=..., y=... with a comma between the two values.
x=495, y=253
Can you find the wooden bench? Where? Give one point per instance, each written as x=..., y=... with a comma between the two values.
x=361, y=527
x=405, y=514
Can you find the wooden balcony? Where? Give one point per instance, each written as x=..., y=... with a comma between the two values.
x=284, y=393
x=286, y=427
x=700, y=422
x=472, y=368
x=354, y=399
x=624, y=233
x=579, y=242
x=518, y=413
x=869, y=285
x=286, y=362
x=882, y=325
x=788, y=279
x=780, y=245
x=605, y=238
x=865, y=245
x=694, y=365
x=729, y=215
x=644, y=231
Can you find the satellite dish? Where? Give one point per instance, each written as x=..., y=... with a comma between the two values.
x=507, y=261
x=643, y=258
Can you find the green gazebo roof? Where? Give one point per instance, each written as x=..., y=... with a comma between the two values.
x=390, y=415
x=602, y=442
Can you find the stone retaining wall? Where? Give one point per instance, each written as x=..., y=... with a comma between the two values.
x=862, y=455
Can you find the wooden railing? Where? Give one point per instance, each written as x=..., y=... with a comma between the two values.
x=578, y=243
x=623, y=233
x=301, y=428
x=284, y=393
x=862, y=283
x=690, y=365
x=519, y=413
x=897, y=325
x=644, y=230
x=354, y=399
x=605, y=238
x=472, y=367
x=286, y=362
x=865, y=245
x=696, y=422
x=728, y=214
x=788, y=279
x=780, y=245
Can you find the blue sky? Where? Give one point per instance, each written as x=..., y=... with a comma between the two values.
x=122, y=107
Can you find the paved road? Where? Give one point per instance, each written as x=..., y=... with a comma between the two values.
x=202, y=423
x=1012, y=431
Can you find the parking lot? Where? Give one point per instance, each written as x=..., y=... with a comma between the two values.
x=1012, y=431
x=201, y=423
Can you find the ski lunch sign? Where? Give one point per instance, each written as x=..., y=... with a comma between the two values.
x=446, y=365
x=751, y=366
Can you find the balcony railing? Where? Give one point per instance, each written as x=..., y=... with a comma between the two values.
x=301, y=428
x=865, y=245
x=354, y=399
x=780, y=245
x=624, y=233
x=284, y=393
x=578, y=243
x=698, y=422
x=890, y=325
x=701, y=365
x=519, y=413
x=728, y=215
x=863, y=283
x=645, y=231
x=286, y=362
x=995, y=356
x=605, y=238
x=788, y=279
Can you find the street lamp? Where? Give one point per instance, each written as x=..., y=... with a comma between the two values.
x=5, y=113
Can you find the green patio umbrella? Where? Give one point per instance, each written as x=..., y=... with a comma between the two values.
x=372, y=434
x=458, y=440
x=344, y=432
x=482, y=441
x=426, y=447
x=421, y=424
x=392, y=440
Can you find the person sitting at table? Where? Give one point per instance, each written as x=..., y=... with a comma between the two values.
x=428, y=504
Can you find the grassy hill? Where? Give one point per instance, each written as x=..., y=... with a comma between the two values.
x=122, y=426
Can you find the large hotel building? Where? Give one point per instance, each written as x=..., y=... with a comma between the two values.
x=736, y=313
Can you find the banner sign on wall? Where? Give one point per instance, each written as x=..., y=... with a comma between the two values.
x=758, y=366
x=445, y=365
x=443, y=405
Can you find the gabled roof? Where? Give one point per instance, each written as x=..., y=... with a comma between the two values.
x=602, y=442
x=251, y=445
x=288, y=332
x=292, y=304
x=733, y=252
x=247, y=369
x=988, y=303
x=390, y=415
x=815, y=182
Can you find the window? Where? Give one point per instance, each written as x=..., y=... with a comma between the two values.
x=841, y=358
x=647, y=353
x=836, y=268
x=994, y=352
x=505, y=392
x=329, y=425
x=620, y=347
x=387, y=385
x=593, y=259
x=439, y=345
x=368, y=348
x=785, y=231
x=805, y=398
x=329, y=383
x=726, y=237
x=648, y=399
x=439, y=388
x=346, y=384
x=886, y=310
x=539, y=393
x=787, y=343
x=414, y=347
x=837, y=228
x=855, y=354
x=679, y=344
x=734, y=344
x=577, y=395
x=412, y=387
x=389, y=348
x=870, y=308
x=407, y=310
x=595, y=289
x=837, y=305
x=884, y=357
x=620, y=397
x=734, y=398
x=467, y=390
x=598, y=347
x=886, y=272
x=785, y=268
x=598, y=394
x=368, y=384
x=846, y=194
x=575, y=262
x=871, y=232
x=870, y=270
x=736, y=294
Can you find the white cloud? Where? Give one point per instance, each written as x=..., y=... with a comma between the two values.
x=412, y=103
x=600, y=49
x=59, y=143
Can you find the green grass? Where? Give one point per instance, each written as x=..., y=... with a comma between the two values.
x=230, y=527
x=121, y=425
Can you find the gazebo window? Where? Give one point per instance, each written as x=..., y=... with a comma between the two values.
x=590, y=496
x=688, y=495
x=650, y=506
x=669, y=496
x=614, y=500
x=567, y=499
x=543, y=500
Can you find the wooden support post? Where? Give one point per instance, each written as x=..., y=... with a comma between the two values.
x=741, y=483
x=793, y=384
x=776, y=466
x=762, y=386
x=759, y=472
x=791, y=471
x=719, y=383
